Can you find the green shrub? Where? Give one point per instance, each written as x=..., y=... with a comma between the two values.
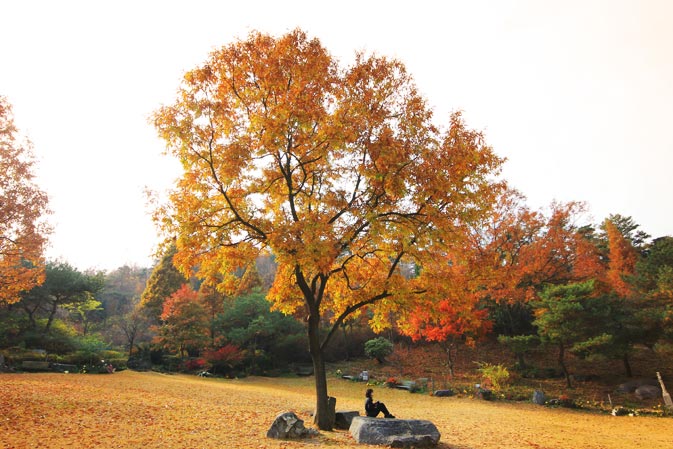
x=520, y=345
x=378, y=348
x=60, y=339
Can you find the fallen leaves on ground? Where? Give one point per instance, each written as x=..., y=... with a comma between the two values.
x=152, y=410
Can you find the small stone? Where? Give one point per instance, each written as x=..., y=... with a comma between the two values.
x=443, y=393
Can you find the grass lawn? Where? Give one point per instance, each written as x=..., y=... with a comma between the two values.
x=150, y=410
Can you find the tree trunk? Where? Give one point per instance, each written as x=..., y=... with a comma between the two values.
x=322, y=415
x=449, y=358
x=31, y=316
x=52, y=314
x=344, y=327
x=521, y=360
x=627, y=365
x=561, y=362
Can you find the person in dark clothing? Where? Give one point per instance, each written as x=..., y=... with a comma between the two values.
x=372, y=409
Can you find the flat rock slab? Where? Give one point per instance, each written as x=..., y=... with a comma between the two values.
x=394, y=432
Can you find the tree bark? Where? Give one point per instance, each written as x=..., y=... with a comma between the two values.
x=449, y=357
x=521, y=360
x=322, y=415
x=627, y=365
x=52, y=314
x=561, y=362
x=346, y=340
x=31, y=316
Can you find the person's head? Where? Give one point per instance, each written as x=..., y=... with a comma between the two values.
x=369, y=392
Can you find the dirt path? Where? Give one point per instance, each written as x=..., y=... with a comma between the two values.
x=150, y=410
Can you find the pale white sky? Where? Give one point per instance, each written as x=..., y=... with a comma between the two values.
x=578, y=95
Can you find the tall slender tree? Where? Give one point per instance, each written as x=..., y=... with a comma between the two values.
x=622, y=260
x=165, y=280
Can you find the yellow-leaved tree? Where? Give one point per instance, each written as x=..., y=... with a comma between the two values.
x=339, y=172
x=23, y=208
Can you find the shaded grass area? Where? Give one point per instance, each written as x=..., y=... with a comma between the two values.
x=151, y=410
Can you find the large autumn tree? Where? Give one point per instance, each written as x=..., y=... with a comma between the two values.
x=339, y=172
x=23, y=207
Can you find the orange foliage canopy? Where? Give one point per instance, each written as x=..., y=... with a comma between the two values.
x=337, y=172
x=516, y=251
x=23, y=206
x=533, y=249
x=456, y=316
x=507, y=257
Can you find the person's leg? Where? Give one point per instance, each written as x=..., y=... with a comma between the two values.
x=384, y=409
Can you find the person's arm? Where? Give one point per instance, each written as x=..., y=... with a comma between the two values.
x=369, y=406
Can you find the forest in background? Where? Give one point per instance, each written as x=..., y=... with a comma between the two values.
x=154, y=318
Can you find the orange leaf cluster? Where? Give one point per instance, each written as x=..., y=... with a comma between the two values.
x=23, y=206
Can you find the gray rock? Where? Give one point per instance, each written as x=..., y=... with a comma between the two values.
x=394, y=432
x=64, y=367
x=344, y=418
x=648, y=392
x=287, y=425
x=539, y=397
x=443, y=393
x=633, y=385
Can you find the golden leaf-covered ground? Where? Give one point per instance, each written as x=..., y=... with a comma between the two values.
x=150, y=410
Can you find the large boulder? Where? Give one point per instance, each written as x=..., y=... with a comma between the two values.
x=287, y=425
x=394, y=432
x=632, y=385
x=648, y=392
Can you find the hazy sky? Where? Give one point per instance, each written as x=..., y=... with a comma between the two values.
x=578, y=95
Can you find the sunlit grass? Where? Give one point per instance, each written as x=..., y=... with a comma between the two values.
x=151, y=410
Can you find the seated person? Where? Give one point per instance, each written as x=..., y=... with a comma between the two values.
x=372, y=409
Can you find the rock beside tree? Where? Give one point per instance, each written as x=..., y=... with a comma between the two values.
x=394, y=432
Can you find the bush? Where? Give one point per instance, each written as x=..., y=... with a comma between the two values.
x=378, y=348
x=497, y=374
x=91, y=350
x=224, y=359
